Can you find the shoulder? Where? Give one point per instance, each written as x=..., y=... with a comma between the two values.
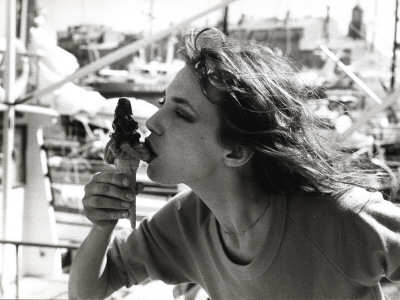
x=359, y=213
x=358, y=209
x=349, y=206
x=350, y=231
x=183, y=202
x=185, y=210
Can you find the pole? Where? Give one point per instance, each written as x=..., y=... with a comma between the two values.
x=17, y=276
x=373, y=37
x=288, y=34
x=225, y=21
x=393, y=69
x=151, y=12
x=8, y=124
x=23, y=26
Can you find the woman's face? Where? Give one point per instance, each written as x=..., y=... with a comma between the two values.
x=184, y=134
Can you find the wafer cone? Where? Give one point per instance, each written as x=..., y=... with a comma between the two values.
x=129, y=168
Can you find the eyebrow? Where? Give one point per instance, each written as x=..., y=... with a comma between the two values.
x=179, y=100
x=183, y=102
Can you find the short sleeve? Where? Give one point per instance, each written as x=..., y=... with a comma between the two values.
x=358, y=234
x=382, y=218
x=158, y=249
x=371, y=243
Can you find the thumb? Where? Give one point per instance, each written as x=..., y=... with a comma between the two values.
x=139, y=188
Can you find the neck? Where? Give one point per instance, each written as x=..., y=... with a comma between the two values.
x=239, y=206
x=235, y=199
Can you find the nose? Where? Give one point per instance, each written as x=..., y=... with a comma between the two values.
x=153, y=123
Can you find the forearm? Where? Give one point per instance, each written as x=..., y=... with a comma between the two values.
x=89, y=277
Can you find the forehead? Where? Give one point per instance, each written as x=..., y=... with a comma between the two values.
x=186, y=86
x=185, y=82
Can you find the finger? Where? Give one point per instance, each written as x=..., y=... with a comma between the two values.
x=106, y=202
x=139, y=188
x=118, y=179
x=109, y=190
x=104, y=214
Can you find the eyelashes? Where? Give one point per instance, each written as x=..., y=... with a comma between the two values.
x=182, y=116
x=178, y=112
x=161, y=102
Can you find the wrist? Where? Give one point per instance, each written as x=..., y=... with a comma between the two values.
x=104, y=228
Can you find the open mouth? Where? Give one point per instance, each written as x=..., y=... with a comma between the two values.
x=149, y=148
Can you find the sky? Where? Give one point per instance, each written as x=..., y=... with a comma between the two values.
x=132, y=15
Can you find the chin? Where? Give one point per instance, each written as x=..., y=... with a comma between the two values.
x=160, y=177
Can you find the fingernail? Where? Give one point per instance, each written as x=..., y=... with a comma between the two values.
x=125, y=204
x=130, y=196
x=125, y=181
x=125, y=214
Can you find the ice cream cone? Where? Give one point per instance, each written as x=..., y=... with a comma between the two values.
x=129, y=168
x=125, y=150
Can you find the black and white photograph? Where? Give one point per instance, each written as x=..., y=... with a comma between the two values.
x=200, y=150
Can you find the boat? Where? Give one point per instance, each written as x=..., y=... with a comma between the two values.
x=145, y=80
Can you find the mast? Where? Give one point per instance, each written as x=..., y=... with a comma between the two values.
x=395, y=46
x=8, y=125
x=325, y=28
x=288, y=34
x=373, y=37
x=151, y=16
x=225, y=20
x=23, y=25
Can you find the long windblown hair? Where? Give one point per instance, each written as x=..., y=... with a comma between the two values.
x=263, y=106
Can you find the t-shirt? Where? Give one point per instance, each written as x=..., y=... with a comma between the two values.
x=316, y=247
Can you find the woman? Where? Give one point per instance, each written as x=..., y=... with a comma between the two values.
x=272, y=212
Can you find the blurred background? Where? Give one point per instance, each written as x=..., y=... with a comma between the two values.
x=64, y=64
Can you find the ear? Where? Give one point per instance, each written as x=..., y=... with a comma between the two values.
x=238, y=156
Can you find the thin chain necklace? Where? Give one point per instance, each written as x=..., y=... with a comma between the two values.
x=243, y=232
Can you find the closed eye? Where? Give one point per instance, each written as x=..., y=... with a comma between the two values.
x=178, y=112
x=182, y=116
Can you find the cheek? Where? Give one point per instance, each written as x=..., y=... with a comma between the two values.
x=185, y=154
x=174, y=161
x=185, y=158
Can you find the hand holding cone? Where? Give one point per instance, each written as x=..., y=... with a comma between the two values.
x=124, y=149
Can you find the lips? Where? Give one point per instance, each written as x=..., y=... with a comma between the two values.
x=149, y=148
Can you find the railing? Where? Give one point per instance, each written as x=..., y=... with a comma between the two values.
x=17, y=244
